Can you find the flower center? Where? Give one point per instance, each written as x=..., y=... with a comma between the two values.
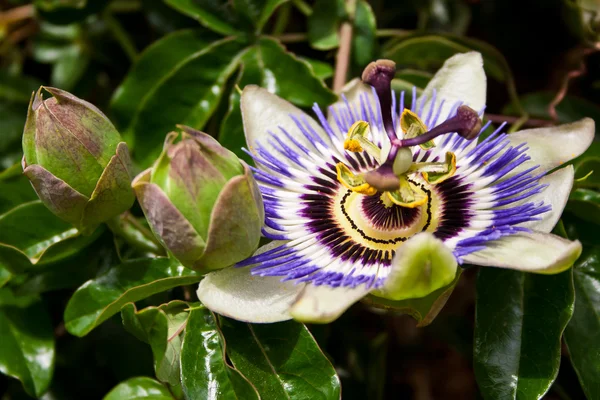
x=391, y=179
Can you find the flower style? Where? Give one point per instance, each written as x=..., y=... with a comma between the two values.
x=380, y=199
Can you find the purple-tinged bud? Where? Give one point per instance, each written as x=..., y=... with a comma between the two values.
x=201, y=201
x=75, y=160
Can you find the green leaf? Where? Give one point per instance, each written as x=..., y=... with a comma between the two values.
x=15, y=191
x=31, y=234
x=417, y=78
x=27, y=347
x=205, y=373
x=99, y=299
x=364, y=37
x=429, y=52
x=324, y=22
x=17, y=88
x=68, y=273
x=214, y=15
x=587, y=171
x=161, y=327
x=582, y=335
x=269, y=65
x=139, y=388
x=519, y=321
x=423, y=309
x=321, y=70
x=5, y=275
x=257, y=11
x=69, y=69
x=282, y=360
x=178, y=80
x=585, y=203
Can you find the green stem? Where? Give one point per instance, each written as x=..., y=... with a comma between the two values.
x=134, y=234
x=303, y=7
x=392, y=32
x=283, y=17
x=121, y=36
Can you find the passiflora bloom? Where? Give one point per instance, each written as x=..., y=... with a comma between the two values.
x=380, y=199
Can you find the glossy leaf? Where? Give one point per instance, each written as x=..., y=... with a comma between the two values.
x=585, y=204
x=27, y=347
x=15, y=191
x=282, y=360
x=161, y=328
x=423, y=309
x=31, y=235
x=269, y=65
x=68, y=273
x=257, y=11
x=99, y=299
x=364, y=37
x=139, y=388
x=322, y=70
x=519, y=321
x=425, y=51
x=582, y=335
x=323, y=24
x=214, y=15
x=183, y=88
x=205, y=372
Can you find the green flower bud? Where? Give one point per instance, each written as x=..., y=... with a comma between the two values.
x=75, y=160
x=201, y=202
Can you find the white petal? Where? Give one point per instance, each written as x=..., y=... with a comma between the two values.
x=322, y=304
x=556, y=194
x=543, y=253
x=264, y=112
x=461, y=78
x=237, y=294
x=549, y=147
x=421, y=265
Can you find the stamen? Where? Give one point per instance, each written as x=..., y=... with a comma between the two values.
x=466, y=123
x=379, y=74
x=356, y=140
x=355, y=183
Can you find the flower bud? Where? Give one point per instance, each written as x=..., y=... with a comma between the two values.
x=201, y=202
x=75, y=160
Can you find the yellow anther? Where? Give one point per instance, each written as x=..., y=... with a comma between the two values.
x=358, y=129
x=435, y=177
x=408, y=118
x=413, y=126
x=408, y=195
x=353, y=182
x=352, y=145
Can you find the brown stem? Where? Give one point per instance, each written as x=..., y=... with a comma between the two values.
x=343, y=55
x=564, y=87
x=16, y=14
x=496, y=118
x=292, y=37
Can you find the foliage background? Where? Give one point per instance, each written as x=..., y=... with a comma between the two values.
x=150, y=64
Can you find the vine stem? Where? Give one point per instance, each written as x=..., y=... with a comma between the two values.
x=343, y=55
